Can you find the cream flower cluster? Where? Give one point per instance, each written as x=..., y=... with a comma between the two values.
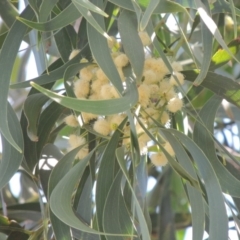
x=157, y=92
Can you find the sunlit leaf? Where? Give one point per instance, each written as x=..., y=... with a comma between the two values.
x=221, y=57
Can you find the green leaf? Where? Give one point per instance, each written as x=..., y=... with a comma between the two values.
x=142, y=221
x=148, y=13
x=170, y=7
x=131, y=42
x=106, y=175
x=67, y=16
x=207, y=46
x=125, y=4
x=52, y=76
x=11, y=158
x=221, y=57
x=213, y=29
x=93, y=21
x=61, y=230
x=217, y=211
x=174, y=164
x=61, y=196
x=138, y=11
x=100, y=107
x=116, y=217
x=222, y=6
x=195, y=196
x=8, y=13
x=45, y=9
x=84, y=196
x=102, y=54
x=203, y=138
x=32, y=112
x=89, y=6
x=47, y=121
x=220, y=85
x=163, y=6
x=63, y=43
x=7, y=57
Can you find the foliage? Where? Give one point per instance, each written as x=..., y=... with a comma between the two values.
x=127, y=93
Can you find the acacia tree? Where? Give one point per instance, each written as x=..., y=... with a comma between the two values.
x=128, y=93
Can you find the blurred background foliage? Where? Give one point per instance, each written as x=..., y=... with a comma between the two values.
x=110, y=194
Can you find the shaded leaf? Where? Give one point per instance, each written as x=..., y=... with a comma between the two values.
x=220, y=85
x=11, y=158
x=32, y=109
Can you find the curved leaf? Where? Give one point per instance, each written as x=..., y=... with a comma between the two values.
x=116, y=217
x=32, y=112
x=52, y=76
x=45, y=9
x=202, y=137
x=220, y=85
x=142, y=221
x=61, y=196
x=7, y=57
x=11, y=158
x=100, y=107
x=106, y=175
x=131, y=42
x=217, y=211
x=67, y=16
x=93, y=21
x=207, y=46
x=195, y=196
x=148, y=13
x=88, y=5
x=102, y=54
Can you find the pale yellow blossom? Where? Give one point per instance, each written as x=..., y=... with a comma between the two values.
x=102, y=126
x=159, y=159
x=81, y=88
x=175, y=104
x=121, y=60
x=86, y=74
x=71, y=121
x=76, y=141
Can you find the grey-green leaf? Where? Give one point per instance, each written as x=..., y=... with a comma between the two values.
x=11, y=158
x=131, y=42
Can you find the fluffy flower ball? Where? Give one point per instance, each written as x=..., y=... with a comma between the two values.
x=121, y=60
x=159, y=159
x=71, y=121
x=81, y=88
x=86, y=74
x=179, y=77
x=102, y=126
x=76, y=141
x=143, y=94
x=175, y=104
